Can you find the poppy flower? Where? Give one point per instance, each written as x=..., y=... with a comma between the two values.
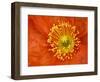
x=57, y=40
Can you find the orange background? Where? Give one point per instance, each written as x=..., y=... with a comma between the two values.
x=38, y=29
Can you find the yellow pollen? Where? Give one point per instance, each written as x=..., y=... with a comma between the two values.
x=63, y=39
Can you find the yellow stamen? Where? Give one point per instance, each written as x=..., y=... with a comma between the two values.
x=63, y=39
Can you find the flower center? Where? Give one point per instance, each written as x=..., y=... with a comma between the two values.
x=66, y=43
